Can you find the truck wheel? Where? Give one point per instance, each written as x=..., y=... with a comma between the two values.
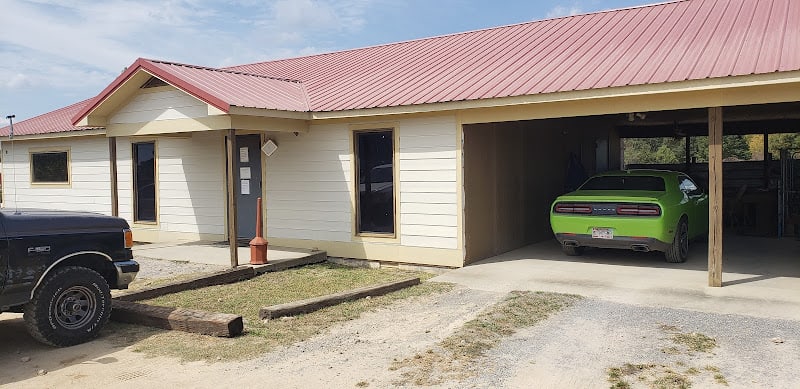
x=678, y=251
x=70, y=307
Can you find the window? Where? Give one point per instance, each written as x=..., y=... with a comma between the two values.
x=144, y=182
x=625, y=183
x=50, y=167
x=375, y=176
x=689, y=187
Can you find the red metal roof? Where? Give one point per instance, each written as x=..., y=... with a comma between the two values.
x=235, y=88
x=59, y=120
x=675, y=41
x=653, y=44
x=218, y=87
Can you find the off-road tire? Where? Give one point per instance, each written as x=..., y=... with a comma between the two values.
x=678, y=251
x=70, y=307
x=572, y=251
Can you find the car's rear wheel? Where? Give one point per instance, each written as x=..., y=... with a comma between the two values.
x=678, y=251
x=572, y=251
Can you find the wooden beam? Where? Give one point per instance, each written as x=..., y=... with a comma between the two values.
x=715, y=196
x=188, y=320
x=230, y=142
x=112, y=159
x=317, y=303
x=700, y=128
x=219, y=278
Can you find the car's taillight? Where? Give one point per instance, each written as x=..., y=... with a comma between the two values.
x=128, y=238
x=573, y=208
x=639, y=210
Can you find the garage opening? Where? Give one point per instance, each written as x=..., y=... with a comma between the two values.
x=514, y=170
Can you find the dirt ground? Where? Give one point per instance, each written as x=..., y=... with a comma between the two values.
x=575, y=348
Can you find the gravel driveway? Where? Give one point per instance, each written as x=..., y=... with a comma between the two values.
x=575, y=348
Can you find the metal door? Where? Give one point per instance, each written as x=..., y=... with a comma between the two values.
x=248, y=182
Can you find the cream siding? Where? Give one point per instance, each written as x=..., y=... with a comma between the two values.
x=427, y=168
x=162, y=103
x=308, y=181
x=89, y=188
x=191, y=184
x=310, y=187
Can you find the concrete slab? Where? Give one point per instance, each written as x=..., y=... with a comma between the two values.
x=761, y=276
x=213, y=253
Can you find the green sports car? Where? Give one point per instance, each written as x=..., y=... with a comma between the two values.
x=640, y=210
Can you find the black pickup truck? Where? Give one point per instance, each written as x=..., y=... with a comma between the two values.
x=58, y=267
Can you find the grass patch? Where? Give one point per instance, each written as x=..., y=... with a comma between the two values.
x=655, y=376
x=671, y=380
x=455, y=357
x=662, y=376
x=246, y=297
x=695, y=341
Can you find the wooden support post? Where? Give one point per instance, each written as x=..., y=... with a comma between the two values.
x=112, y=160
x=715, y=196
x=233, y=233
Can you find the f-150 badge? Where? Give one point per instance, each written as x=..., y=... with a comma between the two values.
x=39, y=250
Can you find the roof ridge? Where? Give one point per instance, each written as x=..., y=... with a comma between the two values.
x=222, y=70
x=455, y=34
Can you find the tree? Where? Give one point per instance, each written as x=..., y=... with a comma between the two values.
x=673, y=150
x=733, y=146
x=653, y=150
x=783, y=141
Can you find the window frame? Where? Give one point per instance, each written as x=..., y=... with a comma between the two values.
x=367, y=235
x=51, y=150
x=134, y=186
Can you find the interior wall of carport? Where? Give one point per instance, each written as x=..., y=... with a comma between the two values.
x=514, y=170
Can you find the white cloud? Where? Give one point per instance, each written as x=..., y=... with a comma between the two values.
x=16, y=81
x=79, y=46
x=564, y=10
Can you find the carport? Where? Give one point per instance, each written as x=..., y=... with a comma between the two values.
x=513, y=170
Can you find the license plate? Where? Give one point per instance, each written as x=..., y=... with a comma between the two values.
x=602, y=233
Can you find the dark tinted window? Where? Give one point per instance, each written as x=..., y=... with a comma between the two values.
x=144, y=165
x=50, y=167
x=375, y=156
x=625, y=183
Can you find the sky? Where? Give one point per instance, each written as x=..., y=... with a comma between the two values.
x=54, y=53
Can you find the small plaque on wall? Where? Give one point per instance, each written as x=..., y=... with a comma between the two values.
x=244, y=155
x=245, y=187
x=269, y=147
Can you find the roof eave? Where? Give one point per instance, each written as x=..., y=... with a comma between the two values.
x=151, y=69
x=713, y=87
